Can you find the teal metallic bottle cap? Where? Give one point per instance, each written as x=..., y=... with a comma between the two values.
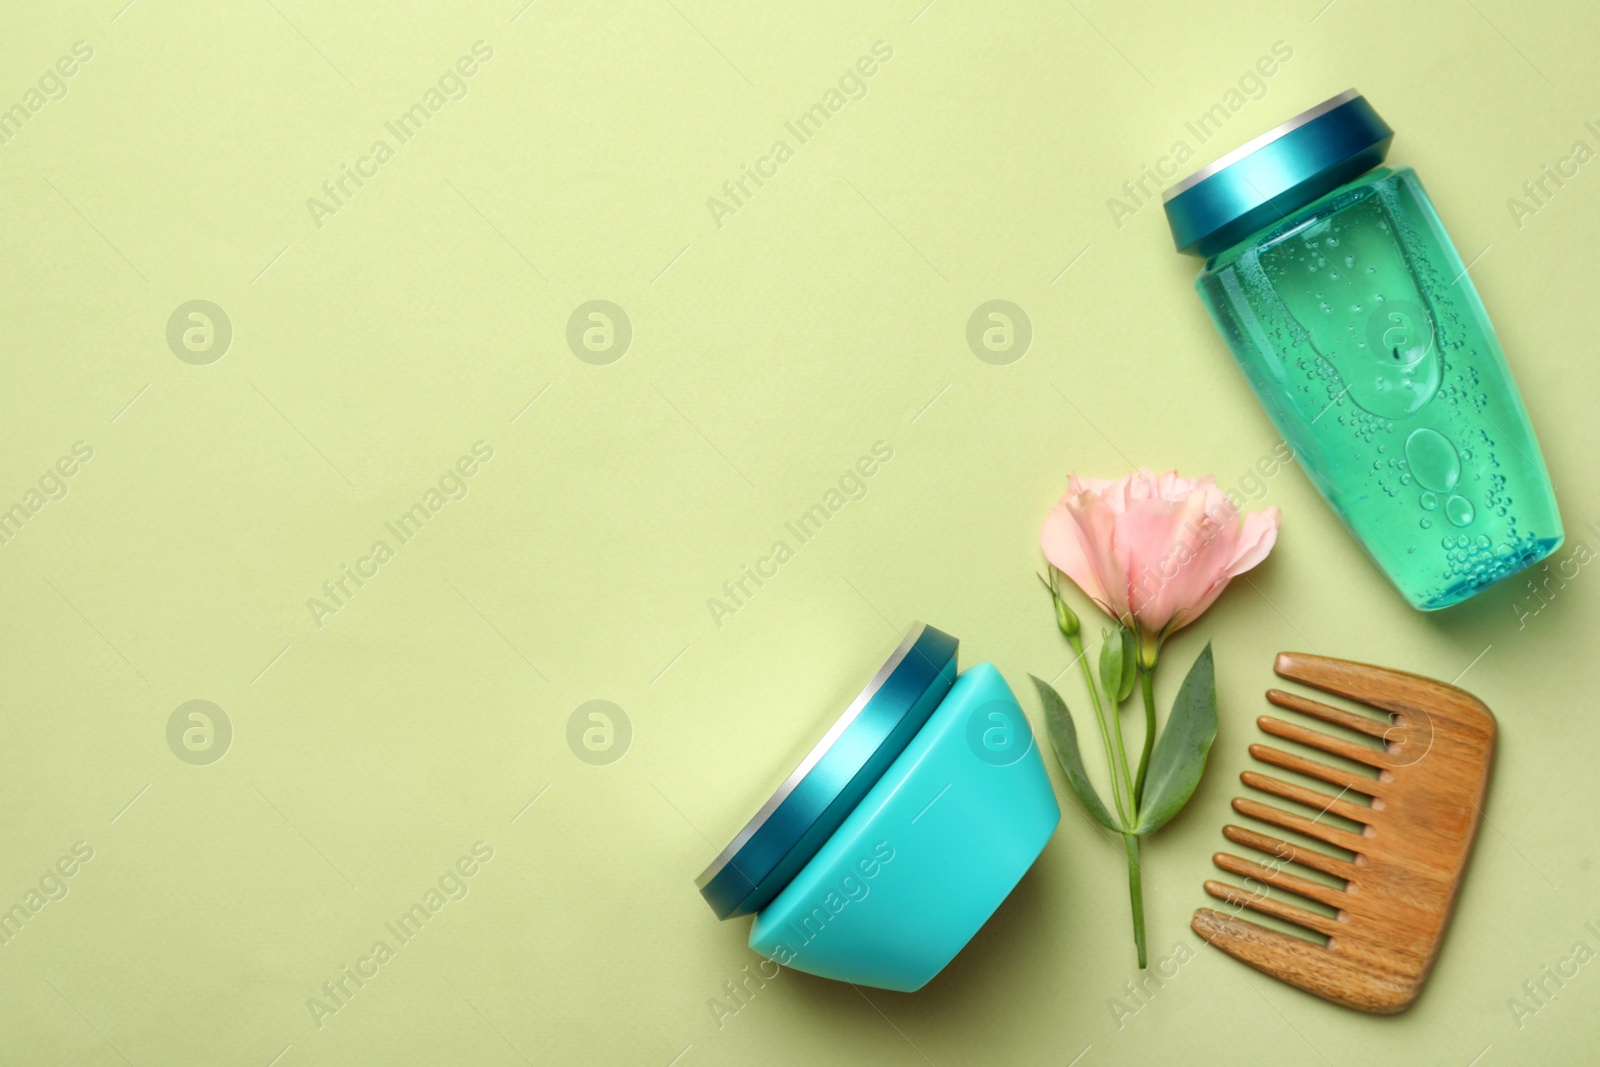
x=834, y=776
x=1276, y=174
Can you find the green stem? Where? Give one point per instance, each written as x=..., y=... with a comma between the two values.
x=1147, y=683
x=1122, y=782
x=1136, y=893
x=1122, y=755
x=1118, y=787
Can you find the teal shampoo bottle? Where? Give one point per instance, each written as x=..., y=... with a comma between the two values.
x=1352, y=316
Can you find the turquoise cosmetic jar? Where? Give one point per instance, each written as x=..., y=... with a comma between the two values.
x=900, y=832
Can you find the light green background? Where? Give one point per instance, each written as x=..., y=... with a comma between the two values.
x=768, y=354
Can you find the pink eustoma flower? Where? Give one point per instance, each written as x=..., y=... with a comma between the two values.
x=1154, y=550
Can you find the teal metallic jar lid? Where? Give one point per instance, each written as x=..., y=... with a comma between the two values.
x=1276, y=174
x=833, y=777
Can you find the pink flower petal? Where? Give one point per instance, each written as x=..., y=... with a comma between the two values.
x=1069, y=550
x=1259, y=534
x=1188, y=565
x=1097, y=524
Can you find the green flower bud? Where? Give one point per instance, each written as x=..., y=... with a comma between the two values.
x=1064, y=615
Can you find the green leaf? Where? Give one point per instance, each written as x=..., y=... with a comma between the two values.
x=1113, y=664
x=1180, y=753
x=1064, y=739
x=1130, y=657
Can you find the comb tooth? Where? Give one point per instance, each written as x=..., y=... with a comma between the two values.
x=1269, y=951
x=1350, y=750
x=1283, y=850
x=1372, y=787
x=1278, y=879
x=1375, y=687
x=1317, y=969
x=1232, y=934
x=1277, y=909
x=1348, y=679
x=1299, y=824
x=1321, y=802
x=1379, y=728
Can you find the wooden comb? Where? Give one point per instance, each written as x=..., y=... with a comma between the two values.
x=1433, y=771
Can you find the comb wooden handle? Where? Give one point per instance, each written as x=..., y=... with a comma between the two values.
x=1431, y=750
